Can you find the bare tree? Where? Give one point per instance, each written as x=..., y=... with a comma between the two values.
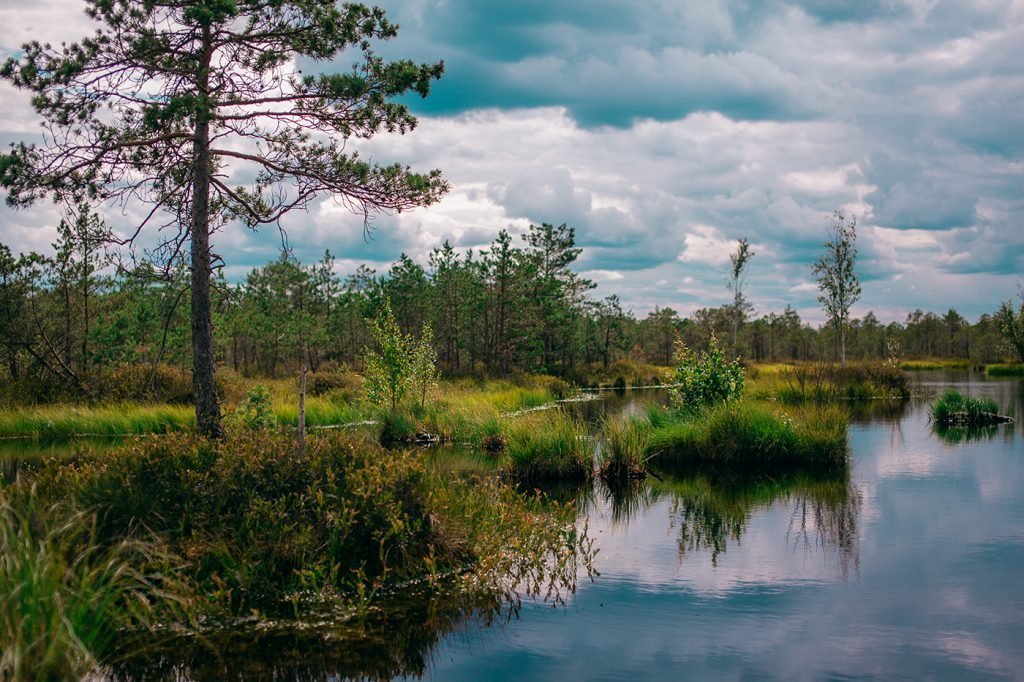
x=740, y=306
x=837, y=280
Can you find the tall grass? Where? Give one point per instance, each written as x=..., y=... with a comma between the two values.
x=747, y=436
x=624, y=451
x=548, y=445
x=67, y=599
x=54, y=422
x=1015, y=370
x=954, y=409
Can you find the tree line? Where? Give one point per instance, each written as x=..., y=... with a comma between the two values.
x=511, y=307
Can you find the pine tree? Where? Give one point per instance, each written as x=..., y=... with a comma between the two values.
x=170, y=100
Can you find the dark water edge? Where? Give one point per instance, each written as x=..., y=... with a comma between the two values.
x=910, y=567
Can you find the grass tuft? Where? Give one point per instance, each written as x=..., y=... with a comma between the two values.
x=954, y=409
x=624, y=453
x=69, y=599
x=1016, y=370
x=752, y=437
x=546, y=446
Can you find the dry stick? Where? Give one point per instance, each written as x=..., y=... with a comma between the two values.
x=302, y=411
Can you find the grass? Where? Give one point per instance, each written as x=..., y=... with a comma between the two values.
x=547, y=446
x=68, y=600
x=1005, y=370
x=954, y=409
x=751, y=437
x=935, y=364
x=55, y=422
x=826, y=382
x=624, y=451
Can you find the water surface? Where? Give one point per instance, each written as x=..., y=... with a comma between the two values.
x=911, y=569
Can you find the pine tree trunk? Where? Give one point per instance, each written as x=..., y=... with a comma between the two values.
x=208, y=418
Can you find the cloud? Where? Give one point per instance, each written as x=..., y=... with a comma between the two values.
x=665, y=131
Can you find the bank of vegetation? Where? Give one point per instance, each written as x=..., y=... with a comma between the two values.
x=184, y=533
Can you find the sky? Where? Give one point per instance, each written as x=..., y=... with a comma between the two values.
x=663, y=131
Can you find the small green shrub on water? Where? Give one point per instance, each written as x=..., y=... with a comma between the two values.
x=704, y=378
x=954, y=409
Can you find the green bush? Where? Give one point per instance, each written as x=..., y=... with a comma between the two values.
x=144, y=383
x=704, y=378
x=257, y=410
x=257, y=518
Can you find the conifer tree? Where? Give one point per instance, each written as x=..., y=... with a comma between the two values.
x=198, y=110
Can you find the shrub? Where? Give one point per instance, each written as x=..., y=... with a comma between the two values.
x=257, y=410
x=704, y=378
x=138, y=382
x=257, y=518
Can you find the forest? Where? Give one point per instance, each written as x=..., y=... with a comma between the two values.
x=513, y=307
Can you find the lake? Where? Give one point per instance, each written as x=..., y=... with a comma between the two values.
x=909, y=568
x=916, y=572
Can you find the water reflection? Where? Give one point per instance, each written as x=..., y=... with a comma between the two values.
x=391, y=640
x=710, y=514
x=954, y=435
x=886, y=411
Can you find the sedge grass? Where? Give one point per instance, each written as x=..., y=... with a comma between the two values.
x=547, y=446
x=67, y=600
x=955, y=409
x=1000, y=370
x=751, y=437
x=624, y=451
x=55, y=422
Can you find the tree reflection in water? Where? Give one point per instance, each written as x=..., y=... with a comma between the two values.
x=711, y=512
